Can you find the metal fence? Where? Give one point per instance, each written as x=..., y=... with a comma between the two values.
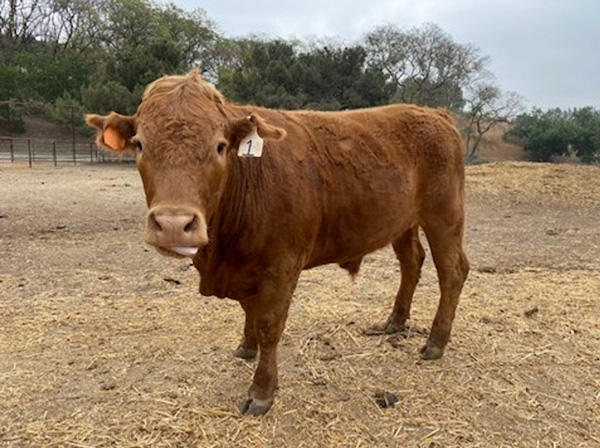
x=32, y=150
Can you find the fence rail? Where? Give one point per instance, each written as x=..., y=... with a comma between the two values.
x=32, y=150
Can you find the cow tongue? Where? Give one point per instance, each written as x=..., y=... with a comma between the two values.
x=184, y=251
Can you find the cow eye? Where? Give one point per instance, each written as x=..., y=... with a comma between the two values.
x=221, y=147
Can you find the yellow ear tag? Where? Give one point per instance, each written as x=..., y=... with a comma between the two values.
x=112, y=138
x=252, y=145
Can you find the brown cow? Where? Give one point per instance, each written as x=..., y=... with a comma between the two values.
x=330, y=187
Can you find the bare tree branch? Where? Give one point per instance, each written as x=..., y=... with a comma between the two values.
x=425, y=64
x=486, y=107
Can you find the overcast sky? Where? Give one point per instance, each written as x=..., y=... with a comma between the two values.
x=546, y=50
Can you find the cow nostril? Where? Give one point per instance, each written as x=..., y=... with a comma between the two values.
x=155, y=225
x=191, y=226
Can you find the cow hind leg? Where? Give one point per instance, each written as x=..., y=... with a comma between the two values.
x=446, y=243
x=248, y=348
x=410, y=254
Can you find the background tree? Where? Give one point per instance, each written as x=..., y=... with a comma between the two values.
x=555, y=132
x=142, y=41
x=587, y=134
x=267, y=75
x=19, y=20
x=338, y=79
x=193, y=34
x=425, y=65
x=70, y=25
x=62, y=50
x=485, y=107
x=277, y=74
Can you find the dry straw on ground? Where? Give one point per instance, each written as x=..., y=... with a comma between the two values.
x=100, y=346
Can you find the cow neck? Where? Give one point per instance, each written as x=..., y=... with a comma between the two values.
x=244, y=199
x=241, y=206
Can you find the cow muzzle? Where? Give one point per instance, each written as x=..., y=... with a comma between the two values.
x=176, y=231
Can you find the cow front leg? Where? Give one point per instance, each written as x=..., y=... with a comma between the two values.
x=270, y=313
x=248, y=347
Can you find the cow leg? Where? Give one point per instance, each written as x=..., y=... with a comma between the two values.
x=452, y=267
x=248, y=347
x=270, y=313
x=411, y=255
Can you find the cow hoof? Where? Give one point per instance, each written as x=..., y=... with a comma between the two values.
x=245, y=353
x=254, y=406
x=387, y=328
x=430, y=352
x=393, y=327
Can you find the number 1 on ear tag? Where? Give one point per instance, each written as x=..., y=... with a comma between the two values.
x=251, y=146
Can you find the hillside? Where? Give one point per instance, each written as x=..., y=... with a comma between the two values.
x=495, y=149
x=37, y=127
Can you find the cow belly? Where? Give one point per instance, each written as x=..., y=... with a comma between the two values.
x=362, y=229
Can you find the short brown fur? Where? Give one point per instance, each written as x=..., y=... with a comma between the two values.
x=331, y=187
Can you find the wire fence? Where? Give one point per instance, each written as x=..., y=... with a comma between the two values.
x=36, y=150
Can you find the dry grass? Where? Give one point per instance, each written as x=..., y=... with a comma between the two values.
x=495, y=149
x=97, y=349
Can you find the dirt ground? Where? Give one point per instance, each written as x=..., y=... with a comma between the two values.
x=104, y=343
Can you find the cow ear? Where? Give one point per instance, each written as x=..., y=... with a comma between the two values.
x=265, y=130
x=243, y=127
x=114, y=131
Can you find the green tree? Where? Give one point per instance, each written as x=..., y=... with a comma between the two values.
x=557, y=132
x=587, y=134
x=46, y=77
x=68, y=112
x=266, y=75
x=97, y=54
x=107, y=96
x=193, y=34
x=277, y=74
x=337, y=78
x=9, y=77
x=145, y=41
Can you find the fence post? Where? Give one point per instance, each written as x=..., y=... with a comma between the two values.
x=54, y=152
x=12, y=148
x=29, y=150
x=91, y=153
x=73, y=133
x=10, y=127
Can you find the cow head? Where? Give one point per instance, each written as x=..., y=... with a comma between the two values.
x=183, y=136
